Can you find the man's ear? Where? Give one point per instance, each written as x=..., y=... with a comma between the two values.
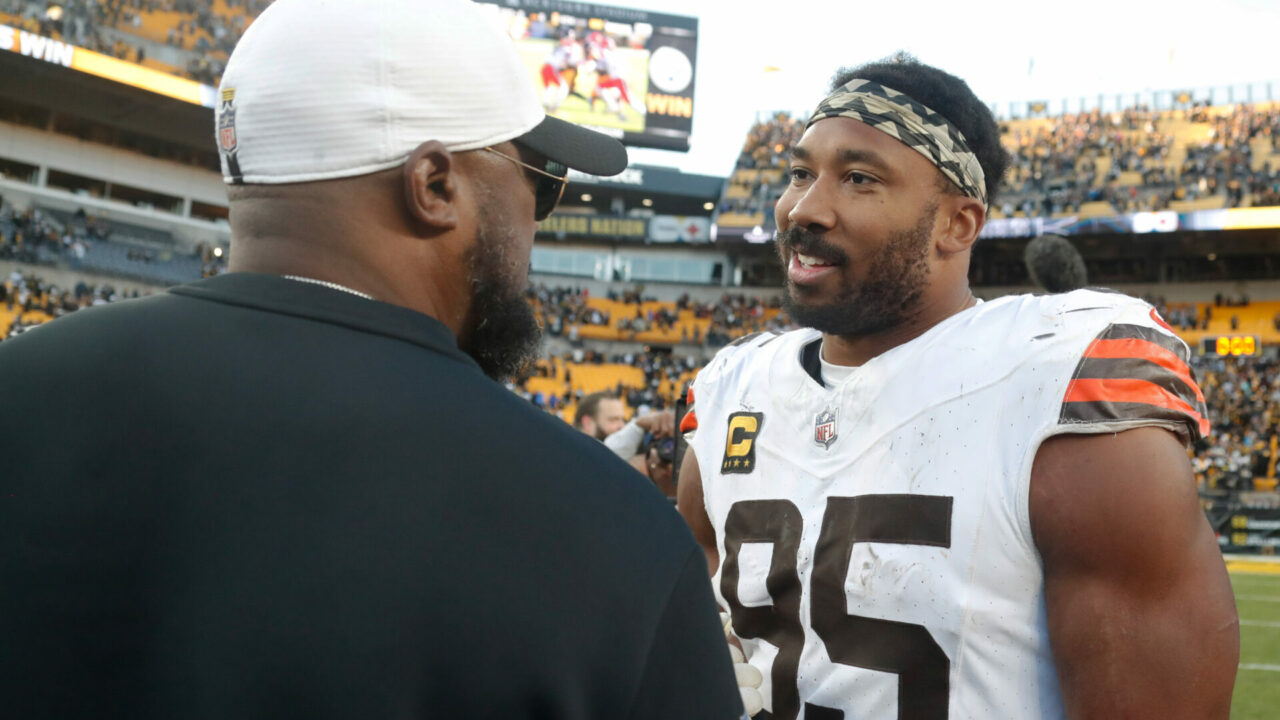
x=431, y=186
x=962, y=220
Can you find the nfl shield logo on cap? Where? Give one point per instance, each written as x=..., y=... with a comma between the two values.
x=824, y=428
x=227, y=121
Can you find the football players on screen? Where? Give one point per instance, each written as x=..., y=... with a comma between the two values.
x=926, y=506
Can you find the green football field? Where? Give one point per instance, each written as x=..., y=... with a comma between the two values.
x=1257, y=695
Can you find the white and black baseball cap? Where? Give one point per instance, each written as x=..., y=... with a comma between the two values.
x=324, y=89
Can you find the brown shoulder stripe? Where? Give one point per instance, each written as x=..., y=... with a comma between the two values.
x=1150, y=334
x=1132, y=372
x=1104, y=412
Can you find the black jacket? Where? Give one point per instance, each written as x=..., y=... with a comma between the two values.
x=252, y=497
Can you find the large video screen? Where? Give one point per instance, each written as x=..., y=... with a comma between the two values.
x=627, y=73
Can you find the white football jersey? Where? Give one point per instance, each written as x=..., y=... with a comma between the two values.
x=876, y=550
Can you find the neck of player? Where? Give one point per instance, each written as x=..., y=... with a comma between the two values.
x=351, y=232
x=857, y=350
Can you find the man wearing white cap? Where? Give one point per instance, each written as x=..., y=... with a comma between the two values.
x=311, y=501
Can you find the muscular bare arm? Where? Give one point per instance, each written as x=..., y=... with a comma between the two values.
x=1142, y=619
x=690, y=504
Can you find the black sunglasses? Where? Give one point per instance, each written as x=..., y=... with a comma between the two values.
x=548, y=184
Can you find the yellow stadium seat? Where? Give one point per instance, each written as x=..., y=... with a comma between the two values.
x=1128, y=178
x=731, y=219
x=1097, y=208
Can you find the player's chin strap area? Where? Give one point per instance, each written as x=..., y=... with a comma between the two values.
x=919, y=128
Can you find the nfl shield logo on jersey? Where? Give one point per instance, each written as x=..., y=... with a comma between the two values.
x=824, y=428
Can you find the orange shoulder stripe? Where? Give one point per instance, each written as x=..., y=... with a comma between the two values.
x=1126, y=390
x=1145, y=350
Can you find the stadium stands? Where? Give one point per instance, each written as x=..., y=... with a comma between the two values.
x=642, y=379
x=1086, y=165
x=140, y=262
x=27, y=300
x=1243, y=393
x=576, y=316
x=194, y=36
x=46, y=236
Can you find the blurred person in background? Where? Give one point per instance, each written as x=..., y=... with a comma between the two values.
x=600, y=414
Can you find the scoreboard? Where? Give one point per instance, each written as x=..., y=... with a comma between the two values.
x=1232, y=345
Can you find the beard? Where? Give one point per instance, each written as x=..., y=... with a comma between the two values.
x=505, y=336
x=888, y=296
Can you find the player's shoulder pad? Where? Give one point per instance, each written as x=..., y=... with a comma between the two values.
x=748, y=350
x=1064, y=321
x=1129, y=368
x=742, y=361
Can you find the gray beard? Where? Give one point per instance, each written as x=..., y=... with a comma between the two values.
x=505, y=337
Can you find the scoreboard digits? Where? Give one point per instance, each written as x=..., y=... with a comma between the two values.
x=1232, y=345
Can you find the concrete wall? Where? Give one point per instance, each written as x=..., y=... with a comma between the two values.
x=186, y=231
x=100, y=162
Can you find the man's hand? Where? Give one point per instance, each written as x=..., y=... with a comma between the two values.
x=659, y=424
x=749, y=678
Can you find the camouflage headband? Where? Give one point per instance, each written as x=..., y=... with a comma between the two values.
x=918, y=127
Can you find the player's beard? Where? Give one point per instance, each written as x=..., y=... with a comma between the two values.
x=889, y=294
x=505, y=336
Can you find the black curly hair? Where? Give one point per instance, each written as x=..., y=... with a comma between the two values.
x=944, y=93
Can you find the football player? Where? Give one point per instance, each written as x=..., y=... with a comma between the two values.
x=559, y=71
x=925, y=506
x=610, y=85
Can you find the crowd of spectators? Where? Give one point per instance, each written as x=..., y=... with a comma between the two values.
x=34, y=237
x=563, y=309
x=204, y=36
x=1191, y=316
x=1086, y=157
x=1242, y=393
x=662, y=373
x=768, y=142
x=31, y=236
x=1243, y=396
x=766, y=148
x=1055, y=168
x=31, y=301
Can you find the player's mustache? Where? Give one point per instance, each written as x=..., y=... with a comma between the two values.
x=800, y=240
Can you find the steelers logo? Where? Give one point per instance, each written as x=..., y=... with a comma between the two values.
x=670, y=70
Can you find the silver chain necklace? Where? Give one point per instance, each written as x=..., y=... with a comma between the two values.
x=330, y=285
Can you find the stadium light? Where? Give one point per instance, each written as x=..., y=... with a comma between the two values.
x=586, y=197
